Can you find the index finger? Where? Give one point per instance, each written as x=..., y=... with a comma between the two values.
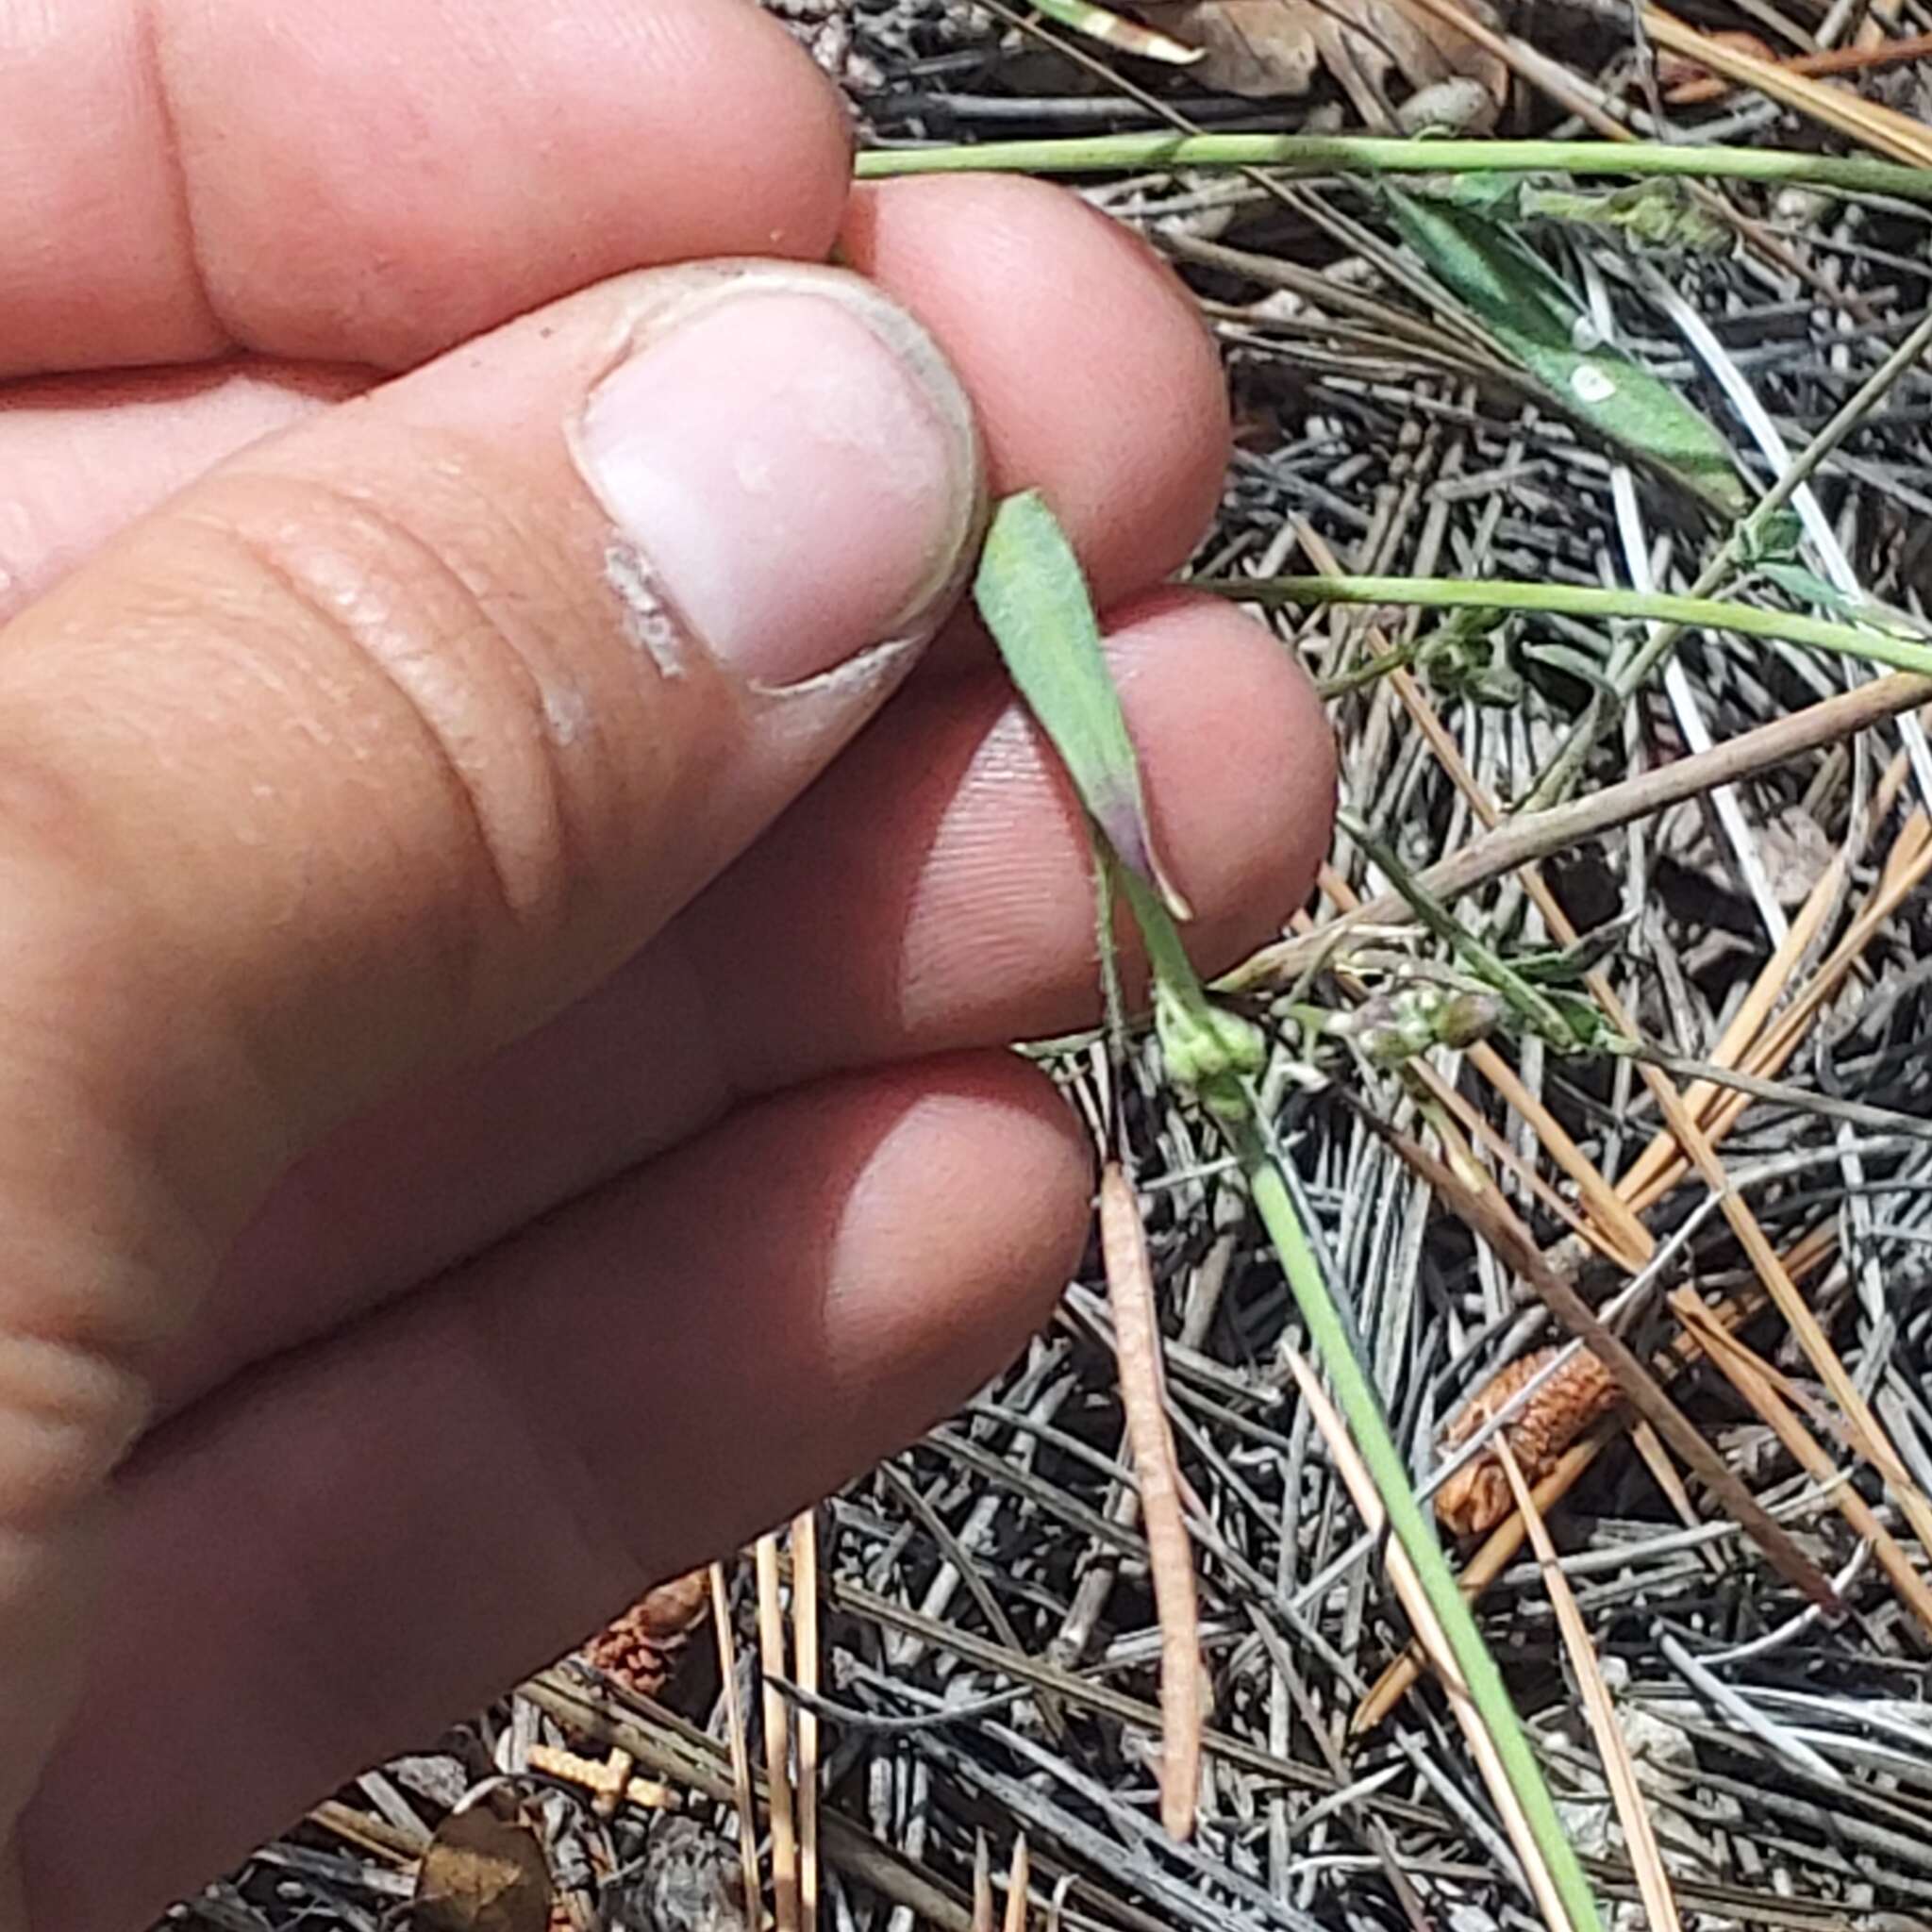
x=367, y=182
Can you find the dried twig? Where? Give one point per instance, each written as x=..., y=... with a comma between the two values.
x=741, y=1756
x=778, y=1737
x=1170, y=1556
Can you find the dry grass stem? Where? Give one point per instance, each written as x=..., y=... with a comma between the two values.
x=1170, y=1555
x=1632, y=1813
x=804, y=1617
x=777, y=1736
x=740, y=1756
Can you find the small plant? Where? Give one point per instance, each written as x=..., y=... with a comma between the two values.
x=1034, y=599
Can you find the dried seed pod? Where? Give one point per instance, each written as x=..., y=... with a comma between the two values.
x=639, y=1649
x=1477, y=1497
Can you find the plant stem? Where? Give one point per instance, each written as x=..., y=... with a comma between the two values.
x=1363, y=1409
x=1321, y=154
x=1579, y=600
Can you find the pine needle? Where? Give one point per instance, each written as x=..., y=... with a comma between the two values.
x=741, y=1756
x=778, y=1738
x=1653, y=1882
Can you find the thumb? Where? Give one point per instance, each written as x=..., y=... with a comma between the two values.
x=397, y=732
x=393, y=737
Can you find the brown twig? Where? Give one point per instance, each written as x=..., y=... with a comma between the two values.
x=1519, y=841
x=741, y=1756
x=1170, y=1556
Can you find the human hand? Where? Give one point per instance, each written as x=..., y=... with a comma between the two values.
x=496, y=1113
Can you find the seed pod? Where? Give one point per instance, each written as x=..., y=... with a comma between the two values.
x=1477, y=1497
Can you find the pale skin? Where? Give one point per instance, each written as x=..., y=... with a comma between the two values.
x=467, y=1158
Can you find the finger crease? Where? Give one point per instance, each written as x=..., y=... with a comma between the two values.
x=153, y=65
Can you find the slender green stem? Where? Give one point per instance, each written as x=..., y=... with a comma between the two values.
x=1321, y=154
x=1578, y=600
x=1359, y=1403
x=1034, y=602
x=1195, y=1033
x=1370, y=672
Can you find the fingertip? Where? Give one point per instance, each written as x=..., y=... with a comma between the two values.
x=957, y=1134
x=1095, y=380
x=539, y=146
x=1240, y=758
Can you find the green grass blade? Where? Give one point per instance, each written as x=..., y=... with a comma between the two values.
x=1032, y=594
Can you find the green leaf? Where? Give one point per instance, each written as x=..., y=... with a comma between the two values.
x=1034, y=599
x=1652, y=215
x=1528, y=311
x=1805, y=585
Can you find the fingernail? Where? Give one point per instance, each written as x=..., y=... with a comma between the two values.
x=795, y=468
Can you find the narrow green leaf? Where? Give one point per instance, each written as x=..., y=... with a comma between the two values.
x=1808, y=587
x=1525, y=305
x=1034, y=599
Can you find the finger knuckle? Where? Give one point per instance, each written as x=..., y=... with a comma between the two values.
x=435, y=676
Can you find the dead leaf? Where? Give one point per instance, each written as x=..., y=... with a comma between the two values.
x=1267, y=48
x=482, y=1873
